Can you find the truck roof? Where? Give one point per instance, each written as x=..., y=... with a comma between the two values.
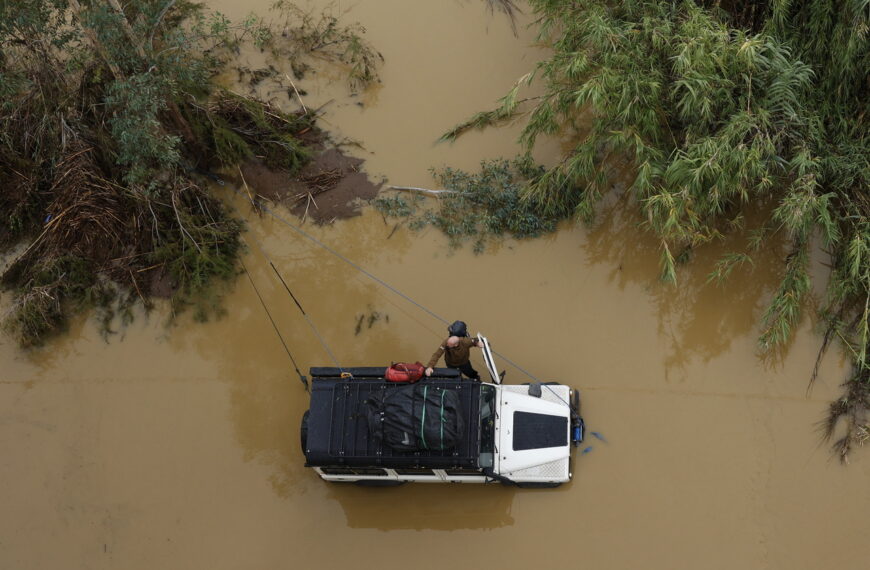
x=338, y=432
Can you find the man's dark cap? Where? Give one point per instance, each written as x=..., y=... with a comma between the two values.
x=458, y=328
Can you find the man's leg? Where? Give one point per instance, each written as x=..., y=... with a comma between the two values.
x=469, y=371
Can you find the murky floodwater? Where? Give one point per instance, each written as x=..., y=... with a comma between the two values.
x=179, y=448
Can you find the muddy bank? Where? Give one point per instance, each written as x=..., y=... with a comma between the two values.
x=331, y=186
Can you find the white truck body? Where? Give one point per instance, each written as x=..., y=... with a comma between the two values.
x=517, y=434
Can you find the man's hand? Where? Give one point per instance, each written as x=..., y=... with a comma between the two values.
x=429, y=371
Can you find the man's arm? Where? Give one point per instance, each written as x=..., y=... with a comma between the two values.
x=434, y=360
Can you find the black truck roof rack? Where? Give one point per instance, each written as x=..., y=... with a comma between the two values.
x=338, y=433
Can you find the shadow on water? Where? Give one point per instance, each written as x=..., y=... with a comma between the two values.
x=430, y=506
x=698, y=317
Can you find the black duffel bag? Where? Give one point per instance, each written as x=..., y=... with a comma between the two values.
x=416, y=417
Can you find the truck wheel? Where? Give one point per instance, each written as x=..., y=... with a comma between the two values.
x=303, y=431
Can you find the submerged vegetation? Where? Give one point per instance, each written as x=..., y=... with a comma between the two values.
x=296, y=35
x=723, y=108
x=109, y=117
x=478, y=207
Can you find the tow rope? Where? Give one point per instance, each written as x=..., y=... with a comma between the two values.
x=323, y=343
x=302, y=378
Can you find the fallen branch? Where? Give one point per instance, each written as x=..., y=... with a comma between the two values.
x=310, y=200
x=425, y=190
x=180, y=225
x=304, y=108
x=254, y=204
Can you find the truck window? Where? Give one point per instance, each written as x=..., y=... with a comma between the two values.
x=487, y=425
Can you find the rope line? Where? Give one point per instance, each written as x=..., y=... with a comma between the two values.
x=295, y=300
x=308, y=320
x=265, y=208
x=275, y=326
x=298, y=304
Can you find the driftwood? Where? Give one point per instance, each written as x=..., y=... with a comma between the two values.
x=304, y=108
x=424, y=190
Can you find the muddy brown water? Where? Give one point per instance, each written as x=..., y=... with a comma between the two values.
x=179, y=447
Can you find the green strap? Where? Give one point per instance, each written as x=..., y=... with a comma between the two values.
x=442, y=418
x=423, y=418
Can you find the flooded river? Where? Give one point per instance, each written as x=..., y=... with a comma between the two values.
x=179, y=447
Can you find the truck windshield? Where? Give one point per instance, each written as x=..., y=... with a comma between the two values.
x=487, y=425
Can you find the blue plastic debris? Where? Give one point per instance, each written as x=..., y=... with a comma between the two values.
x=599, y=436
x=587, y=450
x=47, y=219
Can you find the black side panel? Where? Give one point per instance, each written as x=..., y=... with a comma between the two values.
x=537, y=431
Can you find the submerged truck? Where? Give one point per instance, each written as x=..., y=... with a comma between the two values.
x=362, y=428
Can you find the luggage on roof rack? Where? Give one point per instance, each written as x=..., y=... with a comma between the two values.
x=416, y=417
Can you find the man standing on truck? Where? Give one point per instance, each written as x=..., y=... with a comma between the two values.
x=456, y=350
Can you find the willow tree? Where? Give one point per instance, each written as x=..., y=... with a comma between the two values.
x=723, y=107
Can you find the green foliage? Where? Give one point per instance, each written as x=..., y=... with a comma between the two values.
x=481, y=206
x=397, y=206
x=726, y=265
x=240, y=127
x=105, y=115
x=43, y=301
x=722, y=108
x=144, y=146
x=230, y=148
x=199, y=251
x=297, y=33
x=506, y=111
x=508, y=8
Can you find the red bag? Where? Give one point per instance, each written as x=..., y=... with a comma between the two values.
x=404, y=372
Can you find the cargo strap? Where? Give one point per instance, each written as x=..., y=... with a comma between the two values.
x=442, y=418
x=423, y=419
